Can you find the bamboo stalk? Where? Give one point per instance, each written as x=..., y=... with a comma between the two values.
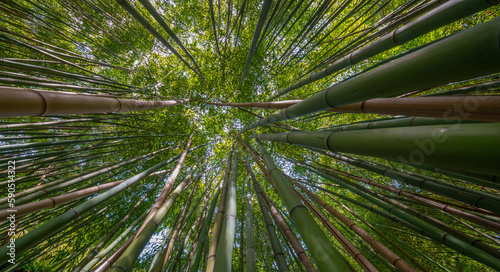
x=446, y=208
x=195, y=262
x=278, y=254
x=216, y=230
x=475, y=108
x=465, y=55
x=325, y=255
x=442, y=15
x=372, y=241
x=223, y=258
x=250, y=239
x=129, y=257
x=44, y=231
x=429, y=230
x=262, y=105
x=449, y=146
x=31, y=102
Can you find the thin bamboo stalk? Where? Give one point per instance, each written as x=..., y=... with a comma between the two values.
x=90, y=256
x=129, y=257
x=446, y=208
x=250, y=239
x=279, y=256
x=266, y=5
x=262, y=105
x=195, y=262
x=299, y=250
x=164, y=257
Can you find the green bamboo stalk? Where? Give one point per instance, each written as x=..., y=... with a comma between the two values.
x=266, y=5
x=49, y=123
x=484, y=87
x=195, y=262
x=170, y=182
x=241, y=243
x=44, y=231
x=438, y=224
x=449, y=146
x=359, y=257
x=285, y=228
x=395, y=122
x=435, y=222
x=166, y=239
x=110, y=247
x=165, y=255
x=44, y=189
x=129, y=257
x=137, y=16
x=169, y=31
x=430, y=231
x=446, y=13
x=394, y=245
x=216, y=230
x=279, y=256
x=325, y=255
x=90, y=256
x=262, y=105
x=442, y=207
x=382, y=249
x=453, y=191
x=53, y=201
x=250, y=240
x=465, y=55
x=223, y=258
x=183, y=242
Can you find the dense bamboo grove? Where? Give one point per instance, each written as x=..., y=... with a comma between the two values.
x=275, y=135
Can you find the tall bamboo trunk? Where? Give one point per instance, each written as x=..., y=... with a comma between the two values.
x=164, y=257
x=111, y=233
x=203, y=236
x=322, y=251
x=449, y=146
x=46, y=230
x=382, y=249
x=216, y=231
x=427, y=229
x=365, y=264
x=279, y=256
x=440, y=16
x=462, y=56
x=438, y=206
x=131, y=254
x=476, y=108
x=31, y=102
x=299, y=250
x=223, y=259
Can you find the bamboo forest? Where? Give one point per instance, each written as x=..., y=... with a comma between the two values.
x=244, y=135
